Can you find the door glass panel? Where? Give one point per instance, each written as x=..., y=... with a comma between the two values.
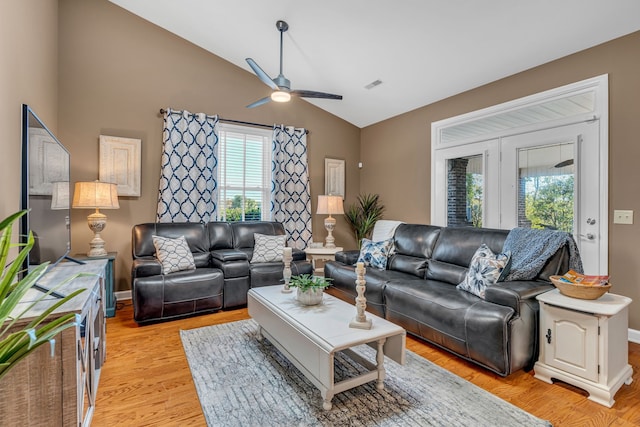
x=465, y=183
x=546, y=187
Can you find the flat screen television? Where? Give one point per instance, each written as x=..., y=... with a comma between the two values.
x=45, y=192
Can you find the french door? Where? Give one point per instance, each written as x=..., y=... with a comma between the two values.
x=552, y=179
x=540, y=161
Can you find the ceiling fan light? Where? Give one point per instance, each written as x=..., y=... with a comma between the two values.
x=280, y=96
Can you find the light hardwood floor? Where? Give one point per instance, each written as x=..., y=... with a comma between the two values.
x=146, y=380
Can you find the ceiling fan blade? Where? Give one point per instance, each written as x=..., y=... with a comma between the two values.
x=259, y=102
x=262, y=75
x=314, y=94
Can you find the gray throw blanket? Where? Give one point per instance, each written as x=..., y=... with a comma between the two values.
x=531, y=249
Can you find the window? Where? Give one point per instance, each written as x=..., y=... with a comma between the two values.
x=546, y=187
x=464, y=191
x=244, y=166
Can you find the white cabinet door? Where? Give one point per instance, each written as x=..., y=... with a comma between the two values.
x=570, y=340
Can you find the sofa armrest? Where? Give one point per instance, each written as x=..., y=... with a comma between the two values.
x=513, y=293
x=298, y=254
x=347, y=257
x=226, y=255
x=144, y=267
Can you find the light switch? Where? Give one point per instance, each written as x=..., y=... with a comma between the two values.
x=622, y=217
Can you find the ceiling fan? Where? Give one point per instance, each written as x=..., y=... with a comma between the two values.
x=281, y=85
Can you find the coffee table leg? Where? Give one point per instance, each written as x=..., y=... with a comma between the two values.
x=326, y=400
x=327, y=405
x=380, y=364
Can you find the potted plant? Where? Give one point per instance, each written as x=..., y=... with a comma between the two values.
x=16, y=344
x=362, y=216
x=310, y=288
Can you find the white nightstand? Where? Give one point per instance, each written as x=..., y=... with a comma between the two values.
x=585, y=343
x=324, y=254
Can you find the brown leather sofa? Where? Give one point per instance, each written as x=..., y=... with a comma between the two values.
x=223, y=274
x=418, y=292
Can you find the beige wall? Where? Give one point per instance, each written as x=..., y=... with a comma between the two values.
x=409, y=168
x=117, y=71
x=28, y=75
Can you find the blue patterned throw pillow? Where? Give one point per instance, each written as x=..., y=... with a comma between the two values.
x=173, y=254
x=485, y=270
x=375, y=254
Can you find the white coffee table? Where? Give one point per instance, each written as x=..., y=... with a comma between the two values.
x=310, y=336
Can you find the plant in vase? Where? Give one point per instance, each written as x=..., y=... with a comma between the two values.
x=16, y=344
x=310, y=288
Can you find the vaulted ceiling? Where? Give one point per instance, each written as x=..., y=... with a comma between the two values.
x=421, y=51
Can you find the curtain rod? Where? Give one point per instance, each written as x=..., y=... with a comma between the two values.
x=240, y=122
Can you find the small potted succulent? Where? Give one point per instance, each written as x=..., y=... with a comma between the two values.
x=310, y=288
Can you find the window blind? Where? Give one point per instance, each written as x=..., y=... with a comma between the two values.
x=244, y=156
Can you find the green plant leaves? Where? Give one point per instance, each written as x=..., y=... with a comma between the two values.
x=17, y=344
x=362, y=216
x=307, y=281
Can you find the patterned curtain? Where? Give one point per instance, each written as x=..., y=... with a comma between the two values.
x=188, y=187
x=290, y=195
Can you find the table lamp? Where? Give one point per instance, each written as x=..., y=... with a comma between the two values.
x=328, y=204
x=96, y=195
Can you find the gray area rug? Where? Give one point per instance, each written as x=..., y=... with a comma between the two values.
x=243, y=380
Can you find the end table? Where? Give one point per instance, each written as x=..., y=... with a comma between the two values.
x=584, y=343
x=324, y=254
x=110, y=278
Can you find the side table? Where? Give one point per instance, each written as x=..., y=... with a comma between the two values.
x=324, y=254
x=109, y=279
x=585, y=343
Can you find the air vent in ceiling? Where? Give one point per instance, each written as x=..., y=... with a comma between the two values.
x=373, y=84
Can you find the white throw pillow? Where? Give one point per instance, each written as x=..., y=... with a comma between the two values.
x=173, y=254
x=268, y=248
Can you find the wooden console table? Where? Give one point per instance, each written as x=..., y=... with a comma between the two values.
x=56, y=385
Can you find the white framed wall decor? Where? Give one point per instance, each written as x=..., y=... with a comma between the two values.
x=120, y=163
x=334, y=177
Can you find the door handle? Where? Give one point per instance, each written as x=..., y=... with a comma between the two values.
x=588, y=236
x=548, y=336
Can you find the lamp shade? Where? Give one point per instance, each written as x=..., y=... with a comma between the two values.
x=330, y=205
x=60, y=195
x=95, y=194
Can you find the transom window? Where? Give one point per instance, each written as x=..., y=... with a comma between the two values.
x=244, y=166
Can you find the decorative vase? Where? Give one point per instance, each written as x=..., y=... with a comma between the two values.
x=312, y=296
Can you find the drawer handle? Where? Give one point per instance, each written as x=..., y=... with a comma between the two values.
x=548, y=336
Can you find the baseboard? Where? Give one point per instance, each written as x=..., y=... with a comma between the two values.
x=634, y=336
x=122, y=295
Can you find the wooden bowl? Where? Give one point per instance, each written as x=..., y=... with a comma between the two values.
x=576, y=290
